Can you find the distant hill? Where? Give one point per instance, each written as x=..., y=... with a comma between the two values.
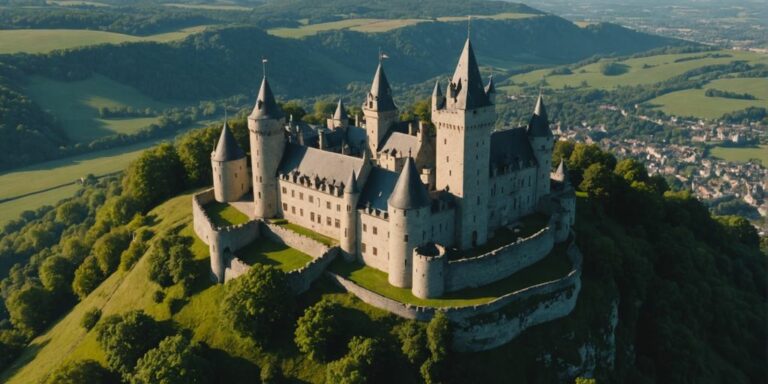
x=227, y=61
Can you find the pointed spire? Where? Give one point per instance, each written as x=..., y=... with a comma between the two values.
x=380, y=96
x=351, y=185
x=438, y=100
x=466, y=87
x=409, y=191
x=266, y=107
x=227, y=148
x=341, y=112
x=491, y=87
x=561, y=174
x=538, y=126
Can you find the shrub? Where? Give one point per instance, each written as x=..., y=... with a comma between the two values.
x=108, y=248
x=90, y=318
x=158, y=296
x=318, y=331
x=126, y=337
x=258, y=303
x=88, y=276
x=358, y=365
x=171, y=262
x=413, y=341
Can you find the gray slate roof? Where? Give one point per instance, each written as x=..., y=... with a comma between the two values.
x=333, y=167
x=509, y=147
x=227, y=148
x=466, y=86
x=409, y=192
x=378, y=187
x=538, y=126
x=403, y=144
x=266, y=107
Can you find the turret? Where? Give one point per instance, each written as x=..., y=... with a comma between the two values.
x=438, y=100
x=265, y=124
x=349, y=218
x=463, y=128
x=230, y=172
x=561, y=174
x=542, y=142
x=409, y=212
x=340, y=117
x=379, y=109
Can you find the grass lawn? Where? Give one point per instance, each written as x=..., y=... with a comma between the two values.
x=46, y=40
x=525, y=227
x=742, y=154
x=693, y=102
x=223, y=214
x=216, y=7
x=267, y=252
x=498, y=16
x=552, y=267
x=642, y=70
x=76, y=104
x=306, y=232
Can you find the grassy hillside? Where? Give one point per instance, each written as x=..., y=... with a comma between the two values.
x=76, y=105
x=693, y=102
x=642, y=70
x=46, y=40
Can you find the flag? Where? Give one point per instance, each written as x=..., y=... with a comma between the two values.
x=264, y=60
x=384, y=56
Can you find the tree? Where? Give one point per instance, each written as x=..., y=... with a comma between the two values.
x=318, y=331
x=90, y=318
x=155, y=176
x=413, y=341
x=257, y=303
x=71, y=213
x=56, y=274
x=108, y=248
x=12, y=342
x=439, y=342
x=295, y=109
x=176, y=360
x=194, y=150
x=631, y=170
x=171, y=262
x=741, y=229
x=358, y=365
x=88, y=276
x=124, y=338
x=597, y=181
x=30, y=308
x=81, y=371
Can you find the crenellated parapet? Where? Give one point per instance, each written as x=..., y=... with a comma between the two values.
x=429, y=265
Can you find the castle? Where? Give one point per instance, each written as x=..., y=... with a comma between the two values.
x=398, y=197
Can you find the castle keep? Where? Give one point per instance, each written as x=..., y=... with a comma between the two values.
x=402, y=197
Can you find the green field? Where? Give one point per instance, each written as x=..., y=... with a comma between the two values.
x=77, y=3
x=11, y=210
x=267, y=252
x=693, y=102
x=46, y=40
x=657, y=68
x=76, y=105
x=224, y=215
x=379, y=25
x=215, y=7
x=552, y=267
x=741, y=155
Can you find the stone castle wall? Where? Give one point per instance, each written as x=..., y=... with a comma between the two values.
x=294, y=240
x=300, y=279
x=500, y=263
x=484, y=326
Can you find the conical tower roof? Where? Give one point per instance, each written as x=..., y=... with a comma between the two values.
x=341, y=112
x=266, y=107
x=491, y=87
x=466, y=86
x=437, y=92
x=409, y=192
x=350, y=186
x=381, y=92
x=538, y=126
x=227, y=148
x=561, y=174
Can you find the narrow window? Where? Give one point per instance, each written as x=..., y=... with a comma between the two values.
x=375, y=230
x=365, y=228
x=375, y=251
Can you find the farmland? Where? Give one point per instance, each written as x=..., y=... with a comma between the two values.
x=693, y=102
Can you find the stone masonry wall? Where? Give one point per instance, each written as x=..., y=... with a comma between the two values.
x=499, y=263
x=300, y=279
x=484, y=326
x=294, y=240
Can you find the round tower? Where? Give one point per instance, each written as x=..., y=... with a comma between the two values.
x=230, y=172
x=409, y=210
x=428, y=271
x=349, y=218
x=542, y=142
x=267, y=138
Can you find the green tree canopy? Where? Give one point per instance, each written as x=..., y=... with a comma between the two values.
x=358, y=366
x=126, y=337
x=319, y=331
x=176, y=360
x=80, y=372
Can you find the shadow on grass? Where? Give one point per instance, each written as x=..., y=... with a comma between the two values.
x=230, y=369
x=28, y=354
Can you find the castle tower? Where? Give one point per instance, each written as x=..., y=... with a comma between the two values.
x=340, y=117
x=349, y=218
x=265, y=124
x=379, y=110
x=438, y=100
x=464, y=127
x=409, y=211
x=542, y=143
x=490, y=90
x=230, y=172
